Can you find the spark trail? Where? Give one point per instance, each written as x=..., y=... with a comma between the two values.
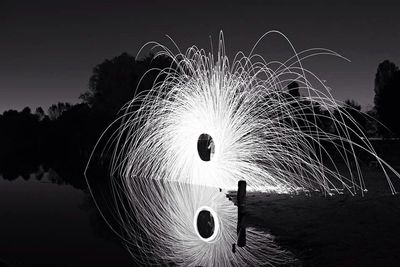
x=256, y=130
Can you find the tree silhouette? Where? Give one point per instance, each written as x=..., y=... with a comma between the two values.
x=387, y=96
x=40, y=113
x=356, y=120
x=18, y=142
x=114, y=82
x=353, y=109
x=111, y=83
x=293, y=89
x=55, y=111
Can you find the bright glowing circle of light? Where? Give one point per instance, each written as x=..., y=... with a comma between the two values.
x=216, y=223
x=265, y=135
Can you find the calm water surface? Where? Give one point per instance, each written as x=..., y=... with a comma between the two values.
x=48, y=222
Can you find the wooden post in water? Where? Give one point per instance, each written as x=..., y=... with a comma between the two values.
x=241, y=202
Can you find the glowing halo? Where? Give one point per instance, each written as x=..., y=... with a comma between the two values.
x=260, y=132
x=215, y=223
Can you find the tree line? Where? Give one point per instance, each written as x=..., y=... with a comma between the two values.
x=65, y=134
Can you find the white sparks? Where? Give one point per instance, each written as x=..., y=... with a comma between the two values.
x=259, y=133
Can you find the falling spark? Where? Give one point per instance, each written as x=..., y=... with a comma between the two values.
x=253, y=129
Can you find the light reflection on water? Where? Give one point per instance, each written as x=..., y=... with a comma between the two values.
x=48, y=222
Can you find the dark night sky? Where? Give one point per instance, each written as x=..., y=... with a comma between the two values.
x=48, y=48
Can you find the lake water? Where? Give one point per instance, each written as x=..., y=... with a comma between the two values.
x=48, y=222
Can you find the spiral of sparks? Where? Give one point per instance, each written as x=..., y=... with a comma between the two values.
x=261, y=134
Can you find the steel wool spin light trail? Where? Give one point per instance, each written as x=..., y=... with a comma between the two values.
x=211, y=122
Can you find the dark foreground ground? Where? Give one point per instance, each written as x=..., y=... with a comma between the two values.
x=339, y=230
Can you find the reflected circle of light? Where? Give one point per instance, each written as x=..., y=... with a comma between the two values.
x=213, y=216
